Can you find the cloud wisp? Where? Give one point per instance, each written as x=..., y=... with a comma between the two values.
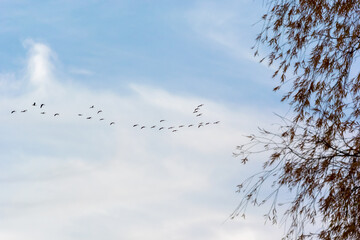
x=68, y=177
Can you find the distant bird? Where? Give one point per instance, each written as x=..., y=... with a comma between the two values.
x=56, y=114
x=41, y=105
x=161, y=128
x=162, y=120
x=99, y=111
x=170, y=127
x=13, y=111
x=92, y=106
x=200, y=105
x=200, y=125
x=181, y=126
x=207, y=123
x=142, y=127
x=199, y=115
x=190, y=125
x=153, y=126
x=112, y=123
x=174, y=130
x=80, y=114
x=101, y=119
x=23, y=110
x=88, y=118
x=217, y=122
x=135, y=125
x=42, y=112
x=195, y=111
x=34, y=104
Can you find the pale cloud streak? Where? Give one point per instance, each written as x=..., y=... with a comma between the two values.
x=70, y=178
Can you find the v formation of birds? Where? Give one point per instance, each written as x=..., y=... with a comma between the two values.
x=160, y=126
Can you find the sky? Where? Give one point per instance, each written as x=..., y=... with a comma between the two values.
x=68, y=177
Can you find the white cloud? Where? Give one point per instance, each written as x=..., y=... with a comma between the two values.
x=66, y=177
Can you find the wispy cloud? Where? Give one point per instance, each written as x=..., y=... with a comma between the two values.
x=66, y=177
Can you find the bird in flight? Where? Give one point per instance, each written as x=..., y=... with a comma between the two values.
x=135, y=125
x=162, y=120
x=88, y=118
x=170, y=127
x=207, y=123
x=142, y=127
x=181, y=126
x=112, y=123
x=40, y=105
x=23, y=110
x=42, y=112
x=199, y=115
x=153, y=126
x=99, y=111
x=34, y=104
x=92, y=106
x=161, y=128
x=79, y=114
x=190, y=125
x=174, y=130
x=200, y=105
x=200, y=125
x=101, y=119
x=13, y=111
x=56, y=114
x=216, y=122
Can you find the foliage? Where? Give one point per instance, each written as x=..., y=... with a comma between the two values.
x=316, y=154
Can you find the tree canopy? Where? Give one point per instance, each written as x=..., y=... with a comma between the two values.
x=316, y=153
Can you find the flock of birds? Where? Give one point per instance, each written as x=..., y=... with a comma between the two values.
x=197, y=112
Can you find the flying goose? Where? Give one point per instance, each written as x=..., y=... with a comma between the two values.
x=135, y=125
x=153, y=126
x=13, y=111
x=190, y=125
x=99, y=111
x=199, y=115
x=79, y=114
x=23, y=110
x=112, y=123
x=41, y=105
x=142, y=127
x=162, y=120
x=56, y=114
x=34, y=104
x=161, y=128
x=101, y=119
x=42, y=112
x=216, y=122
x=181, y=126
x=88, y=118
x=92, y=106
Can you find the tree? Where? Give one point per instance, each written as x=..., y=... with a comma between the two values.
x=315, y=154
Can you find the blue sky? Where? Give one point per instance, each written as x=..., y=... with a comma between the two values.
x=67, y=177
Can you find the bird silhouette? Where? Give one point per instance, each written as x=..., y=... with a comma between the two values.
x=112, y=123
x=174, y=130
x=161, y=128
x=92, y=106
x=170, y=127
x=79, y=114
x=101, y=119
x=99, y=111
x=41, y=105
x=42, y=112
x=142, y=127
x=217, y=122
x=23, y=110
x=200, y=125
x=199, y=115
x=34, y=104
x=190, y=125
x=207, y=123
x=88, y=118
x=181, y=126
x=200, y=105
x=56, y=114
x=13, y=111
x=162, y=120
x=153, y=126
x=135, y=125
